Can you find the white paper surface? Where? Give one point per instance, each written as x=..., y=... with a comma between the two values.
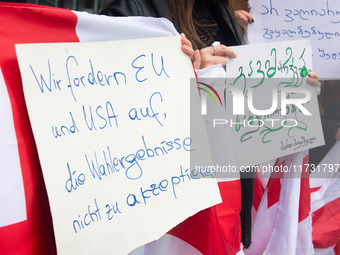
x=259, y=68
x=111, y=122
x=277, y=20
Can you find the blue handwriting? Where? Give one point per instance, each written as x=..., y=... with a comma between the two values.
x=328, y=55
x=74, y=181
x=93, y=76
x=103, y=115
x=293, y=14
x=91, y=216
x=305, y=14
x=112, y=211
x=157, y=188
x=134, y=115
x=107, y=164
x=43, y=82
x=300, y=31
x=64, y=130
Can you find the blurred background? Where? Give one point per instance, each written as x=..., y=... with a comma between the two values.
x=90, y=6
x=95, y=6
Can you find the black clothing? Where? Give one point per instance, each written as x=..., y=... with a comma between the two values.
x=130, y=8
x=226, y=23
x=214, y=12
x=247, y=191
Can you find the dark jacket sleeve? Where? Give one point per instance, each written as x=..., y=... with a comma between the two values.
x=129, y=8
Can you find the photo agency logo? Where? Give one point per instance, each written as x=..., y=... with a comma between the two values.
x=212, y=95
x=283, y=100
x=274, y=115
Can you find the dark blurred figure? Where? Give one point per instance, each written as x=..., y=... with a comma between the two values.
x=15, y=1
x=329, y=104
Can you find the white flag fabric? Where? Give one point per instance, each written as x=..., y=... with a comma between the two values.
x=325, y=203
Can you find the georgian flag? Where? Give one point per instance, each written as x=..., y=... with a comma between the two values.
x=282, y=224
x=25, y=219
x=325, y=203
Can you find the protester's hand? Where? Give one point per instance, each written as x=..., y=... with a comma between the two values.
x=313, y=80
x=216, y=55
x=244, y=17
x=193, y=55
x=207, y=56
x=337, y=136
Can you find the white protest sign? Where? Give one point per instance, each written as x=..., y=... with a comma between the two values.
x=278, y=20
x=111, y=122
x=257, y=79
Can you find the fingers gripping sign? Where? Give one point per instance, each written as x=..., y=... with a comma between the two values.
x=215, y=55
